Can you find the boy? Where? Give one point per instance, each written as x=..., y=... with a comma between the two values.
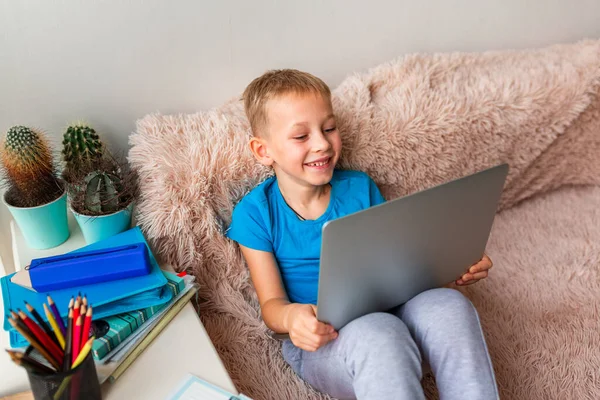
x=278, y=227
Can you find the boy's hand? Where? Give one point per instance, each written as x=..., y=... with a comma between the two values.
x=305, y=330
x=476, y=272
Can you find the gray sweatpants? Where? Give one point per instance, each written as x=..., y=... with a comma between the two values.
x=379, y=356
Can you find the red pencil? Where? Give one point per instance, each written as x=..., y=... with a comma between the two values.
x=41, y=336
x=76, y=308
x=76, y=339
x=87, y=324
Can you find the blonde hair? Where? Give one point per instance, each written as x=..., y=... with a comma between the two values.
x=277, y=83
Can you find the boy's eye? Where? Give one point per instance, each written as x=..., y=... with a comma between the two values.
x=330, y=130
x=300, y=137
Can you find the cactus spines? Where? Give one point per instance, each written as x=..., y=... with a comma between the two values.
x=28, y=168
x=81, y=146
x=102, y=192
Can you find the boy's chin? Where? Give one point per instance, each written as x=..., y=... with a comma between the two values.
x=319, y=178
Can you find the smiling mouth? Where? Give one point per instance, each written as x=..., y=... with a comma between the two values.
x=320, y=163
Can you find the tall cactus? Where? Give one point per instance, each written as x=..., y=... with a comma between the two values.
x=103, y=191
x=29, y=170
x=82, y=148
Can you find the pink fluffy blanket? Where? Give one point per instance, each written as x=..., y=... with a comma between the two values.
x=411, y=123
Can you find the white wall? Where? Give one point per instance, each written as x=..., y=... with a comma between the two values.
x=111, y=62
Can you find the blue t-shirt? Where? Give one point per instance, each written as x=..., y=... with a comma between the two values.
x=262, y=220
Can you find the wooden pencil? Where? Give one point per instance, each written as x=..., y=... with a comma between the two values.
x=55, y=327
x=30, y=362
x=76, y=308
x=41, y=323
x=68, y=342
x=76, y=339
x=16, y=317
x=36, y=345
x=85, y=350
x=41, y=336
x=59, y=320
x=87, y=324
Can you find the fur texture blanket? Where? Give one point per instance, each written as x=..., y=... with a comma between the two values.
x=413, y=123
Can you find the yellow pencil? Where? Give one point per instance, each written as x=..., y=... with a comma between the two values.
x=54, y=325
x=84, y=352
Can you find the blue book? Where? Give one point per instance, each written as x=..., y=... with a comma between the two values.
x=112, y=331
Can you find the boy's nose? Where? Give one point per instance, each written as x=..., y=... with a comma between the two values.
x=320, y=142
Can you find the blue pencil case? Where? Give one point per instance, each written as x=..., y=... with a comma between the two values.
x=89, y=267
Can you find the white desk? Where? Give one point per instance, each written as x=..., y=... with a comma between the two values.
x=182, y=347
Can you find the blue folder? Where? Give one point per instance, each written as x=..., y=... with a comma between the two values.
x=107, y=298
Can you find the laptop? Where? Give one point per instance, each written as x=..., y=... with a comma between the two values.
x=381, y=257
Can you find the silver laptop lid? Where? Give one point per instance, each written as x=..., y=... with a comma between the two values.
x=381, y=257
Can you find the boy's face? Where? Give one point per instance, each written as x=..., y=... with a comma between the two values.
x=301, y=141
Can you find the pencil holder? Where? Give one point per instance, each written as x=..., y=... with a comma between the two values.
x=78, y=383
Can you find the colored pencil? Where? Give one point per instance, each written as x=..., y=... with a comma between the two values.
x=41, y=336
x=87, y=324
x=29, y=362
x=66, y=365
x=16, y=317
x=41, y=322
x=76, y=339
x=85, y=350
x=76, y=307
x=82, y=310
x=59, y=320
x=36, y=345
x=84, y=300
x=55, y=327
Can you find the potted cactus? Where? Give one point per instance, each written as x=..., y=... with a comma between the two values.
x=34, y=194
x=82, y=149
x=102, y=188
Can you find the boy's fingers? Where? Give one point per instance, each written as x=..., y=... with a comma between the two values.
x=318, y=328
x=471, y=278
x=482, y=265
x=480, y=275
x=317, y=341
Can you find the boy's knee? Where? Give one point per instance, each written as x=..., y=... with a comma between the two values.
x=441, y=301
x=381, y=342
x=452, y=297
x=439, y=309
x=376, y=329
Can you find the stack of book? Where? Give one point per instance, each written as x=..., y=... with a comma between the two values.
x=127, y=335
x=129, y=311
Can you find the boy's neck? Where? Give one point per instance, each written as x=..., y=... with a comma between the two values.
x=302, y=197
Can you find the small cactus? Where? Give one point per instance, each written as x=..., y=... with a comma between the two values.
x=29, y=172
x=102, y=192
x=81, y=147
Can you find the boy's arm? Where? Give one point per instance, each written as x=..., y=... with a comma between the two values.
x=281, y=316
x=272, y=297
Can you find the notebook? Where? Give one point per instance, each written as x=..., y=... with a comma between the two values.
x=194, y=388
x=107, y=298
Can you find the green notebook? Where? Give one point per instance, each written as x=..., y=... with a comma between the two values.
x=111, y=331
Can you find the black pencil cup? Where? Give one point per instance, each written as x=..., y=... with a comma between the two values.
x=79, y=383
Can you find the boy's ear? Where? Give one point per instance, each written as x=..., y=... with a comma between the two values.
x=259, y=148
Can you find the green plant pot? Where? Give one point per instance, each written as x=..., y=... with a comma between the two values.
x=99, y=227
x=45, y=226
